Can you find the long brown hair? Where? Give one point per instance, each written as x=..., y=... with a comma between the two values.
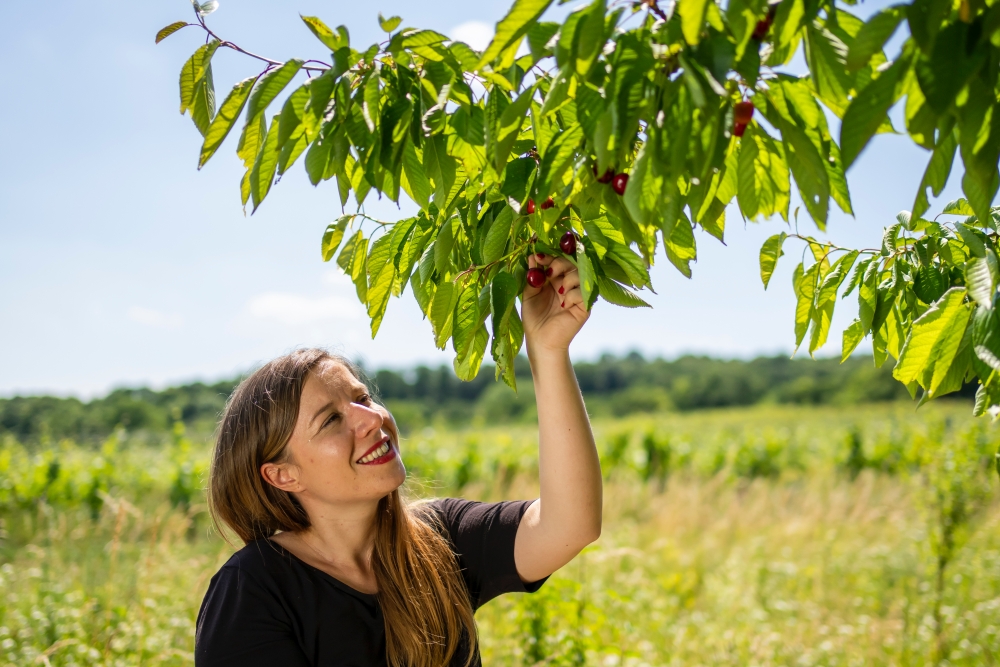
x=424, y=600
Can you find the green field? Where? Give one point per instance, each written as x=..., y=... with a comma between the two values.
x=759, y=536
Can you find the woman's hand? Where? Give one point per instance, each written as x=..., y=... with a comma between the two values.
x=555, y=312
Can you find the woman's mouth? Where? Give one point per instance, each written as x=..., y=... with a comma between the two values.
x=382, y=452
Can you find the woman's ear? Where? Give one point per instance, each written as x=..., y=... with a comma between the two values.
x=284, y=476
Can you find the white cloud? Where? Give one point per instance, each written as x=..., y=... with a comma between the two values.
x=154, y=318
x=296, y=309
x=474, y=33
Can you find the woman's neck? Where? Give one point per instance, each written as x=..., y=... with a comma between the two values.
x=339, y=541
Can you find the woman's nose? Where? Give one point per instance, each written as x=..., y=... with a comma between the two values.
x=365, y=419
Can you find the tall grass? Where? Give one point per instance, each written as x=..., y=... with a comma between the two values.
x=771, y=536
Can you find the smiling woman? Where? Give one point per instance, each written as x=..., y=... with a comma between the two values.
x=336, y=568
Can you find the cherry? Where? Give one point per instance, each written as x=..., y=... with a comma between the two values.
x=606, y=177
x=619, y=182
x=742, y=112
x=764, y=25
x=548, y=203
x=761, y=29
x=536, y=277
x=531, y=206
x=568, y=243
x=739, y=129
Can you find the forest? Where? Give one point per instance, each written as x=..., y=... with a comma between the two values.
x=612, y=385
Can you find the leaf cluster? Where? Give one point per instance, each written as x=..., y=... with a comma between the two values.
x=635, y=90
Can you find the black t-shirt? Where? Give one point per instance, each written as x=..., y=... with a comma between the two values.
x=266, y=607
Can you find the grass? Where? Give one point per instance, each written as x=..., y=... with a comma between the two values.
x=768, y=536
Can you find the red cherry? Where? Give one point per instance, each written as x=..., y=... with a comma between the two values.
x=606, y=177
x=568, y=243
x=536, y=277
x=531, y=206
x=761, y=29
x=743, y=112
x=739, y=129
x=619, y=182
x=548, y=203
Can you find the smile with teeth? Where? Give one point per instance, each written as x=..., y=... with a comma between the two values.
x=377, y=453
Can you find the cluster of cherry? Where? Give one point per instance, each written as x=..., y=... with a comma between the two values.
x=567, y=243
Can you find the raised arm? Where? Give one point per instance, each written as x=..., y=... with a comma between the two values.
x=567, y=515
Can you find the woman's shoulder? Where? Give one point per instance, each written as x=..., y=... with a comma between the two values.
x=259, y=560
x=458, y=515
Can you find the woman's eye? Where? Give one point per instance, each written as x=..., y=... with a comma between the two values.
x=333, y=417
x=364, y=398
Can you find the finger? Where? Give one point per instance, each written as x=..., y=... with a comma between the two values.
x=566, y=282
x=572, y=298
x=561, y=266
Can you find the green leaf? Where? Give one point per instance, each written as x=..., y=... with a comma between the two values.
x=692, y=19
x=169, y=30
x=809, y=168
x=680, y=246
x=467, y=365
x=873, y=36
x=587, y=274
x=381, y=274
x=831, y=283
x=415, y=178
x=804, y=284
x=769, y=254
x=333, y=235
x=332, y=40
x=442, y=312
x=466, y=317
x=826, y=55
x=852, y=336
x=197, y=88
x=958, y=207
x=511, y=121
x=614, y=293
x=981, y=279
x=986, y=341
x=270, y=85
x=389, y=24
x=869, y=110
x=936, y=174
x=932, y=338
x=859, y=271
x=419, y=38
x=512, y=27
x=632, y=264
x=496, y=237
x=263, y=169
x=226, y=118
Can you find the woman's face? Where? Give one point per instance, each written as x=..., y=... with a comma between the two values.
x=344, y=447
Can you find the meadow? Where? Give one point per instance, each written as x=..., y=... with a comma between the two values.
x=770, y=535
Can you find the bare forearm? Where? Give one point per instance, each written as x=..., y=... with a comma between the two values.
x=569, y=468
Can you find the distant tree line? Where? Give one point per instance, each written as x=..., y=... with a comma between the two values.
x=612, y=385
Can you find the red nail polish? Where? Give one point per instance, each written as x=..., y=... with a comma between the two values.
x=548, y=271
x=540, y=255
x=561, y=289
x=562, y=305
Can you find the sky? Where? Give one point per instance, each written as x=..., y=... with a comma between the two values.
x=122, y=264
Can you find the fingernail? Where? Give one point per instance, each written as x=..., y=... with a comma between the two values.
x=540, y=255
x=562, y=305
x=548, y=271
x=561, y=290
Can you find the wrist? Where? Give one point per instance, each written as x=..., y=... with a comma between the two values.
x=541, y=354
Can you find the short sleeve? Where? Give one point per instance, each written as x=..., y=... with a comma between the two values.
x=240, y=624
x=483, y=537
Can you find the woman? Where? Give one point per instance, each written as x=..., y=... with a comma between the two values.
x=337, y=570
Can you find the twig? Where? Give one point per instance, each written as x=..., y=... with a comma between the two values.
x=269, y=61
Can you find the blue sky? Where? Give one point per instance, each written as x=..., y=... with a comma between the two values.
x=122, y=264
